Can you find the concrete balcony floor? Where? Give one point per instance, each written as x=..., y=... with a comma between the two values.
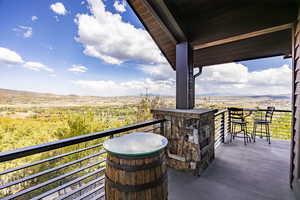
x=258, y=171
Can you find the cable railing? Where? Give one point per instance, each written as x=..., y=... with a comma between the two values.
x=280, y=127
x=74, y=168
x=221, y=126
x=71, y=168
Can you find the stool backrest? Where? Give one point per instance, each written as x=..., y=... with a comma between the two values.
x=236, y=114
x=269, y=113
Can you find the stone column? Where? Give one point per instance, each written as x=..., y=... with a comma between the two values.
x=191, y=137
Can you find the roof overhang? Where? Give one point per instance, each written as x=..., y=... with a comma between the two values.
x=219, y=31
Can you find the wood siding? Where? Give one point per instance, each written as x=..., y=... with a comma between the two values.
x=295, y=152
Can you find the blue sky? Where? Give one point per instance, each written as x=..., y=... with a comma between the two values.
x=99, y=47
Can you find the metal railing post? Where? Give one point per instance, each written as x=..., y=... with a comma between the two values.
x=229, y=121
x=223, y=127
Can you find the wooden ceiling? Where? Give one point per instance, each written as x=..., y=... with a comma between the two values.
x=219, y=23
x=274, y=44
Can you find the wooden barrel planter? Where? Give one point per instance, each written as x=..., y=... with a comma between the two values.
x=137, y=170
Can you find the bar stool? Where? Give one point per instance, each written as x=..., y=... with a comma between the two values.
x=264, y=122
x=237, y=119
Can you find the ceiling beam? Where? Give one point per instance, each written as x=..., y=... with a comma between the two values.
x=243, y=36
x=159, y=21
x=165, y=15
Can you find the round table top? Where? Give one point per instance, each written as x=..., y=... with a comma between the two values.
x=136, y=144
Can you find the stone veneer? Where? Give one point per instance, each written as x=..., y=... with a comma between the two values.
x=191, y=137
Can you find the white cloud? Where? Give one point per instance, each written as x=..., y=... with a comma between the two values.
x=10, y=57
x=120, y=6
x=235, y=79
x=106, y=36
x=25, y=30
x=78, y=68
x=225, y=79
x=37, y=66
x=162, y=71
x=231, y=79
x=58, y=8
x=273, y=76
x=56, y=18
x=34, y=18
x=233, y=73
x=82, y=2
x=113, y=88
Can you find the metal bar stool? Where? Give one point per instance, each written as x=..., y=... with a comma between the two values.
x=237, y=120
x=264, y=122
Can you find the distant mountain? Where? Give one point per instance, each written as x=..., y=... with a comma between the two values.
x=8, y=92
x=281, y=96
x=285, y=96
x=20, y=98
x=22, y=93
x=26, y=98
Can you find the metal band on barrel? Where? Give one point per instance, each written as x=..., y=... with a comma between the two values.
x=136, y=188
x=136, y=157
x=130, y=168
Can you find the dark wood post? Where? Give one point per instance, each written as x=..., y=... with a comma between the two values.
x=295, y=140
x=185, y=92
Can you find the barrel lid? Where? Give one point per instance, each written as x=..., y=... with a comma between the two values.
x=136, y=144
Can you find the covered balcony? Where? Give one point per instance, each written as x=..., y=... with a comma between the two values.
x=253, y=171
x=191, y=35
